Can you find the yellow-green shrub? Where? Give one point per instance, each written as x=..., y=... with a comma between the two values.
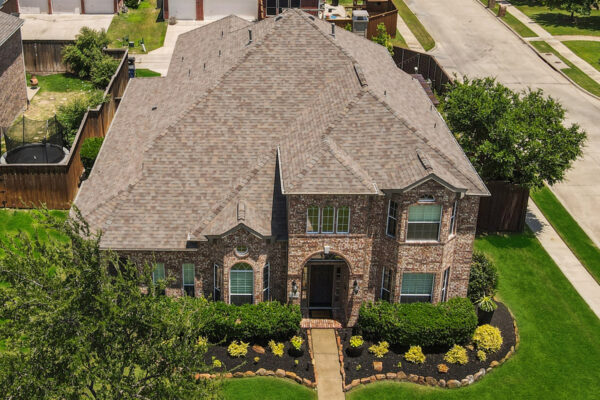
x=202, y=344
x=238, y=349
x=457, y=355
x=356, y=341
x=481, y=355
x=297, y=342
x=488, y=338
x=276, y=348
x=415, y=355
x=216, y=363
x=380, y=349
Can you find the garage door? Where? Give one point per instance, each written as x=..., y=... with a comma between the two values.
x=182, y=9
x=33, y=6
x=66, y=6
x=217, y=9
x=99, y=7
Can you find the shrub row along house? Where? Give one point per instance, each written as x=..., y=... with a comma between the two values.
x=285, y=160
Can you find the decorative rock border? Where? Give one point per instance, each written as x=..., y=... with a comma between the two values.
x=425, y=380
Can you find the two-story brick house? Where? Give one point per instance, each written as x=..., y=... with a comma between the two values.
x=283, y=160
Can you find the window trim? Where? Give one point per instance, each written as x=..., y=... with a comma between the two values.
x=333, y=222
x=250, y=271
x=217, y=271
x=453, y=223
x=318, y=222
x=387, y=225
x=337, y=216
x=445, y=283
x=439, y=222
x=430, y=294
x=268, y=288
x=183, y=284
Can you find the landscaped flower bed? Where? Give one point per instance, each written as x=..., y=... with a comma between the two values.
x=394, y=361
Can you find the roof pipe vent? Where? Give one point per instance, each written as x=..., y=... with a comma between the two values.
x=333, y=30
x=249, y=36
x=277, y=18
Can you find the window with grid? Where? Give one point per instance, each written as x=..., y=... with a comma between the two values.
x=312, y=219
x=453, y=219
x=424, y=222
x=158, y=274
x=327, y=219
x=241, y=284
x=386, y=284
x=343, y=219
x=188, y=279
x=266, y=282
x=217, y=282
x=416, y=288
x=392, y=219
x=445, y=279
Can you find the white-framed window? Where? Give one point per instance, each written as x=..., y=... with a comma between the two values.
x=453, y=219
x=158, y=274
x=386, y=284
x=241, y=251
x=445, y=279
x=343, y=220
x=424, y=221
x=312, y=219
x=217, y=282
x=327, y=219
x=188, y=278
x=416, y=287
x=266, y=276
x=241, y=284
x=392, y=218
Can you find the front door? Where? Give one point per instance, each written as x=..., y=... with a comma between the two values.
x=321, y=286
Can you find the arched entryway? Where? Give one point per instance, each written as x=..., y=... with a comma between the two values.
x=325, y=287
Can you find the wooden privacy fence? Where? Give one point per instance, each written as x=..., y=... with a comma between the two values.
x=55, y=185
x=44, y=56
x=504, y=210
x=425, y=64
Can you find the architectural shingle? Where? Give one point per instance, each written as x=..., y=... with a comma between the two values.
x=8, y=26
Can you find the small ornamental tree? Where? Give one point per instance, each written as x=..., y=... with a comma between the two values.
x=581, y=7
x=74, y=324
x=515, y=137
x=383, y=38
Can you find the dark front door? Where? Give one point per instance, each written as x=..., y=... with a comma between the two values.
x=321, y=286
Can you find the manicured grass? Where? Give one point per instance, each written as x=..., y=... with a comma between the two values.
x=145, y=73
x=415, y=25
x=560, y=336
x=399, y=40
x=513, y=22
x=265, y=388
x=558, y=22
x=577, y=75
x=589, y=51
x=569, y=230
x=61, y=83
x=137, y=24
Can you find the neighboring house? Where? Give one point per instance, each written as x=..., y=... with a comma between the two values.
x=278, y=161
x=201, y=10
x=13, y=85
x=68, y=6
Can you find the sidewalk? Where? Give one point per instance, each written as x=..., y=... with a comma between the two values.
x=570, y=266
x=327, y=365
x=409, y=37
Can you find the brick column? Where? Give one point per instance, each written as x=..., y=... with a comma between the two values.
x=200, y=10
x=49, y=6
x=82, y=7
x=166, y=10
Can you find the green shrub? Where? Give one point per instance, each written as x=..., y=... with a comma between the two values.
x=415, y=355
x=457, y=355
x=487, y=304
x=383, y=38
x=297, y=342
x=103, y=70
x=488, y=338
x=237, y=349
x=71, y=114
x=483, y=280
x=85, y=52
x=132, y=3
x=89, y=151
x=380, y=349
x=276, y=348
x=424, y=324
x=249, y=322
x=356, y=341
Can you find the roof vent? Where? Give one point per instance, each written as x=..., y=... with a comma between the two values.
x=222, y=33
x=424, y=160
x=154, y=108
x=360, y=75
x=312, y=18
x=277, y=18
x=219, y=53
x=333, y=30
x=205, y=66
x=241, y=211
x=249, y=36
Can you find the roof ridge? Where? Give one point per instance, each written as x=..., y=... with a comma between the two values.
x=350, y=164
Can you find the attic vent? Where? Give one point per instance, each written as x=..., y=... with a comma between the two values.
x=249, y=36
x=312, y=18
x=360, y=75
x=241, y=211
x=333, y=30
x=424, y=160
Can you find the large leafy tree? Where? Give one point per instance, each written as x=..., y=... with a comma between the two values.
x=581, y=7
x=516, y=137
x=74, y=324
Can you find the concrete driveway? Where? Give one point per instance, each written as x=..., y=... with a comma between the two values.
x=60, y=26
x=471, y=41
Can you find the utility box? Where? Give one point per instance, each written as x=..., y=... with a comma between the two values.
x=360, y=22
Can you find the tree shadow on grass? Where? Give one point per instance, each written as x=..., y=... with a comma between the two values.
x=557, y=20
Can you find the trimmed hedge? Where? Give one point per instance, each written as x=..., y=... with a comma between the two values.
x=249, y=322
x=423, y=324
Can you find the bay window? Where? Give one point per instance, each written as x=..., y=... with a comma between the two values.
x=241, y=284
x=424, y=222
x=416, y=287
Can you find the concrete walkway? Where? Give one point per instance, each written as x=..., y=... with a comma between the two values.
x=327, y=365
x=409, y=37
x=575, y=272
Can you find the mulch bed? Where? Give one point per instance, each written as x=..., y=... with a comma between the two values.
x=267, y=361
x=501, y=319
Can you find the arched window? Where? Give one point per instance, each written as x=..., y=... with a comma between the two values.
x=241, y=284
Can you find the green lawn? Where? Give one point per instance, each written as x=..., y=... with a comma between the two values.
x=265, y=388
x=415, y=25
x=137, y=24
x=514, y=23
x=577, y=75
x=559, y=354
x=589, y=51
x=399, y=40
x=559, y=22
x=569, y=230
x=145, y=73
x=61, y=83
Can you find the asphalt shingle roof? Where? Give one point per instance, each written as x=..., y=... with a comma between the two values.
x=186, y=152
x=8, y=26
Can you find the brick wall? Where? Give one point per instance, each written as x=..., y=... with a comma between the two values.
x=13, y=87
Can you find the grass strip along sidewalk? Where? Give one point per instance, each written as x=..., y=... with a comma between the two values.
x=569, y=230
x=519, y=27
x=415, y=25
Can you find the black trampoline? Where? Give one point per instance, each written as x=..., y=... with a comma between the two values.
x=35, y=153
